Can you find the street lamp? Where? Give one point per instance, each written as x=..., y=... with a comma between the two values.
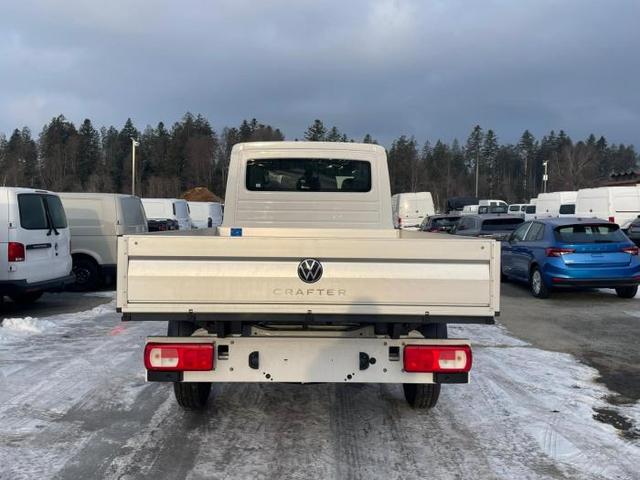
x=134, y=144
x=545, y=177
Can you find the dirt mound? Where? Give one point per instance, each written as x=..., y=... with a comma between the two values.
x=201, y=194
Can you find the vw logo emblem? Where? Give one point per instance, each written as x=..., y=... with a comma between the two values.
x=310, y=270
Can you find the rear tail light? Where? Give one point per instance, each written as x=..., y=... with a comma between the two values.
x=631, y=250
x=612, y=219
x=558, y=252
x=179, y=356
x=15, y=252
x=437, y=358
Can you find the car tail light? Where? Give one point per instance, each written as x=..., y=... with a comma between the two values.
x=612, y=219
x=631, y=250
x=15, y=252
x=179, y=356
x=558, y=252
x=437, y=358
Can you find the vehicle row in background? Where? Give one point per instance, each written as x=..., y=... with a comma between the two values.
x=410, y=209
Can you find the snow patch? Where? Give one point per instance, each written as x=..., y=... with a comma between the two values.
x=26, y=325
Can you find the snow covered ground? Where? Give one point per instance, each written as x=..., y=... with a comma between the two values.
x=74, y=404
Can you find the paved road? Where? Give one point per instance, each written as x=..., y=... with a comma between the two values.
x=74, y=404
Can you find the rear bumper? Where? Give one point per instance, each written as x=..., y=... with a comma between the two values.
x=594, y=282
x=10, y=287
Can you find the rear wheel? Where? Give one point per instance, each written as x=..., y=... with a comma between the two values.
x=627, y=292
x=424, y=396
x=189, y=395
x=87, y=274
x=25, y=298
x=538, y=288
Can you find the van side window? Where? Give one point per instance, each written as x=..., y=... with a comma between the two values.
x=568, y=209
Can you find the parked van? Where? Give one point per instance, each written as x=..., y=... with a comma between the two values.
x=556, y=204
x=34, y=244
x=530, y=211
x=96, y=220
x=205, y=214
x=619, y=205
x=168, y=209
x=409, y=209
x=517, y=209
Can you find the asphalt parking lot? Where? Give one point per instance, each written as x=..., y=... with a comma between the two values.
x=554, y=394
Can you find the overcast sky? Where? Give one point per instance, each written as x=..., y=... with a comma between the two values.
x=431, y=69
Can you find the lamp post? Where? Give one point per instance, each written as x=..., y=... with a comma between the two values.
x=545, y=177
x=134, y=144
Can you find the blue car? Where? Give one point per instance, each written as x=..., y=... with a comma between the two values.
x=571, y=252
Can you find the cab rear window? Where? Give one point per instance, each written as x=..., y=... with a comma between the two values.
x=308, y=175
x=41, y=211
x=598, y=233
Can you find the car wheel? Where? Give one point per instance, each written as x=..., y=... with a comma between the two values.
x=538, y=288
x=87, y=274
x=424, y=396
x=627, y=292
x=189, y=395
x=25, y=298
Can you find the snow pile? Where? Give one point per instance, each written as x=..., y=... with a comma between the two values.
x=26, y=325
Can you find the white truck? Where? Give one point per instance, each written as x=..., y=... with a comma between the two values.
x=307, y=281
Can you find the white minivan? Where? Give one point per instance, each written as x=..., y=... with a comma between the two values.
x=168, y=209
x=409, y=209
x=619, y=205
x=34, y=244
x=96, y=220
x=556, y=204
x=205, y=214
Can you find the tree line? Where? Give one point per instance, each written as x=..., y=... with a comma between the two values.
x=191, y=153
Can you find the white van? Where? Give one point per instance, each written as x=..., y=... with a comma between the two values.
x=556, y=204
x=619, y=205
x=96, y=220
x=168, y=209
x=530, y=212
x=409, y=209
x=492, y=203
x=205, y=214
x=517, y=209
x=34, y=244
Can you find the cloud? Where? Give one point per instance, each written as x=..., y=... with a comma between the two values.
x=431, y=69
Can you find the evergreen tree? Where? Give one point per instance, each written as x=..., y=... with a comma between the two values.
x=473, y=152
x=527, y=149
x=489, y=153
x=316, y=132
x=88, y=151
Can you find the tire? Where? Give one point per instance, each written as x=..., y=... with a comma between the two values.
x=627, y=292
x=189, y=395
x=424, y=396
x=536, y=283
x=87, y=274
x=25, y=298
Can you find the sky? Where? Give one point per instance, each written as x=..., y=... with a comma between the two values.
x=429, y=68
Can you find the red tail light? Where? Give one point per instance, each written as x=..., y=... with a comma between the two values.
x=15, y=252
x=437, y=358
x=179, y=356
x=612, y=219
x=558, y=252
x=631, y=250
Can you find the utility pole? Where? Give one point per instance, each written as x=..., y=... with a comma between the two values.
x=134, y=144
x=545, y=177
x=477, y=168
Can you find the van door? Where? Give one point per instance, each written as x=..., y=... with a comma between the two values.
x=42, y=229
x=131, y=216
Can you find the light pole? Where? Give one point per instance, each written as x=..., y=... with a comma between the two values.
x=477, y=168
x=134, y=144
x=545, y=177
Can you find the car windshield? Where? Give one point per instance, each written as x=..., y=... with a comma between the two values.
x=501, y=224
x=598, y=233
x=444, y=222
x=308, y=175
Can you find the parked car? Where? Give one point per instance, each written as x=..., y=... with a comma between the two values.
x=439, y=223
x=556, y=204
x=619, y=205
x=529, y=212
x=634, y=231
x=205, y=214
x=409, y=209
x=96, y=220
x=155, y=225
x=490, y=226
x=34, y=244
x=168, y=209
x=569, y=252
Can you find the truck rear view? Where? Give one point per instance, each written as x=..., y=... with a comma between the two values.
x=307, y=281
